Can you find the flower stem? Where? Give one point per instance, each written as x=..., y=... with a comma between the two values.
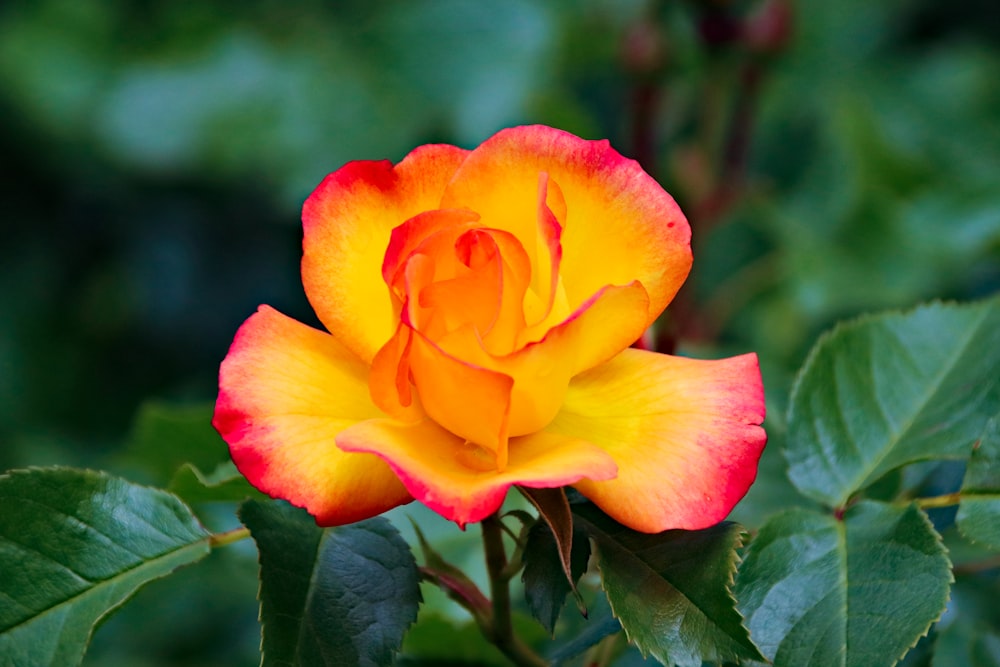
x=501, y=634
x=947, y=500
x=228, y=537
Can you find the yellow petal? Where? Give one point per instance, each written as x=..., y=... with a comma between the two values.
x=457, y=480
x=684, y=432
x=285, y=391
x=619, y=224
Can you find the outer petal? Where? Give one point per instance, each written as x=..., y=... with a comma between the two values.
x=620, y=225
x=285, y=391
x=684, y=432
x=347, y=223
x=456, y=479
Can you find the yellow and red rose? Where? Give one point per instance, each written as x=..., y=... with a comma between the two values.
x=480, y=306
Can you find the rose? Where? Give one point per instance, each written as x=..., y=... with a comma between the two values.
x=480, y=307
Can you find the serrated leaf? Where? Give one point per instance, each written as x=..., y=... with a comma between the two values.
x=884, y=391
x=853, y=593
x=979, y=511
x=546, y=583
x=74, y=546
x=339, y=596
x=671, y=590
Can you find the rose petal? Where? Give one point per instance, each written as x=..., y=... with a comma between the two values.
x=407, y=238
x=285, y=391
x=440, y=296
x=620, y=225
x=684, y=433
x=347, y=222
x=476, y=393
x=456, y=479
x=389, y=380
x=460, y=277
x=545, y=279
x=470, y=401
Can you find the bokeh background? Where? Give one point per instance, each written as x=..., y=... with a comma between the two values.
x=834, y=158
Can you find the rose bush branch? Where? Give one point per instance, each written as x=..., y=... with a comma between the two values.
x=501, y=631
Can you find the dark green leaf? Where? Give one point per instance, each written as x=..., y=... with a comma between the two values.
x=979, y=512
x=885, y=391
x=75, y=545
x=546, y=583
x=853, y=593
x=553, y=508
x=671, y=590
x=341, y=596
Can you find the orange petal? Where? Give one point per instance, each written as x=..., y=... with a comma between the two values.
x=285, y=391
x=538, y=374
x=389, y=380
x=620, y=225
x=470, y=401
x=457, y=480
x=684, y=432
x=550, y=217
x=474, y=294
x=408, y=237
x=478, y=280
x=347, y=222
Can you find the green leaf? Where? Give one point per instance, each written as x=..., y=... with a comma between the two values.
x=671, y=590
x=75, y=545
x=853, y=593
x=224, y=483
x=569, y=548
x=340, y=596
x=546, y=582
x=553, y=508
x=884, y=391
x=165, y=437
x=179, y=447
x=979, y=511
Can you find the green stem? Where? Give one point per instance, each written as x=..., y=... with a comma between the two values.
x=947, y=500
x=228, y=537
x=502, y=632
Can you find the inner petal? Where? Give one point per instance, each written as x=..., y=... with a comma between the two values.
x=551, y=212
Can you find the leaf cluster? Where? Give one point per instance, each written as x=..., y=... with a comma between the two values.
x=855, y=572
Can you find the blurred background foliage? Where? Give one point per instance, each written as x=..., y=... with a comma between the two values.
x=834, y=158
